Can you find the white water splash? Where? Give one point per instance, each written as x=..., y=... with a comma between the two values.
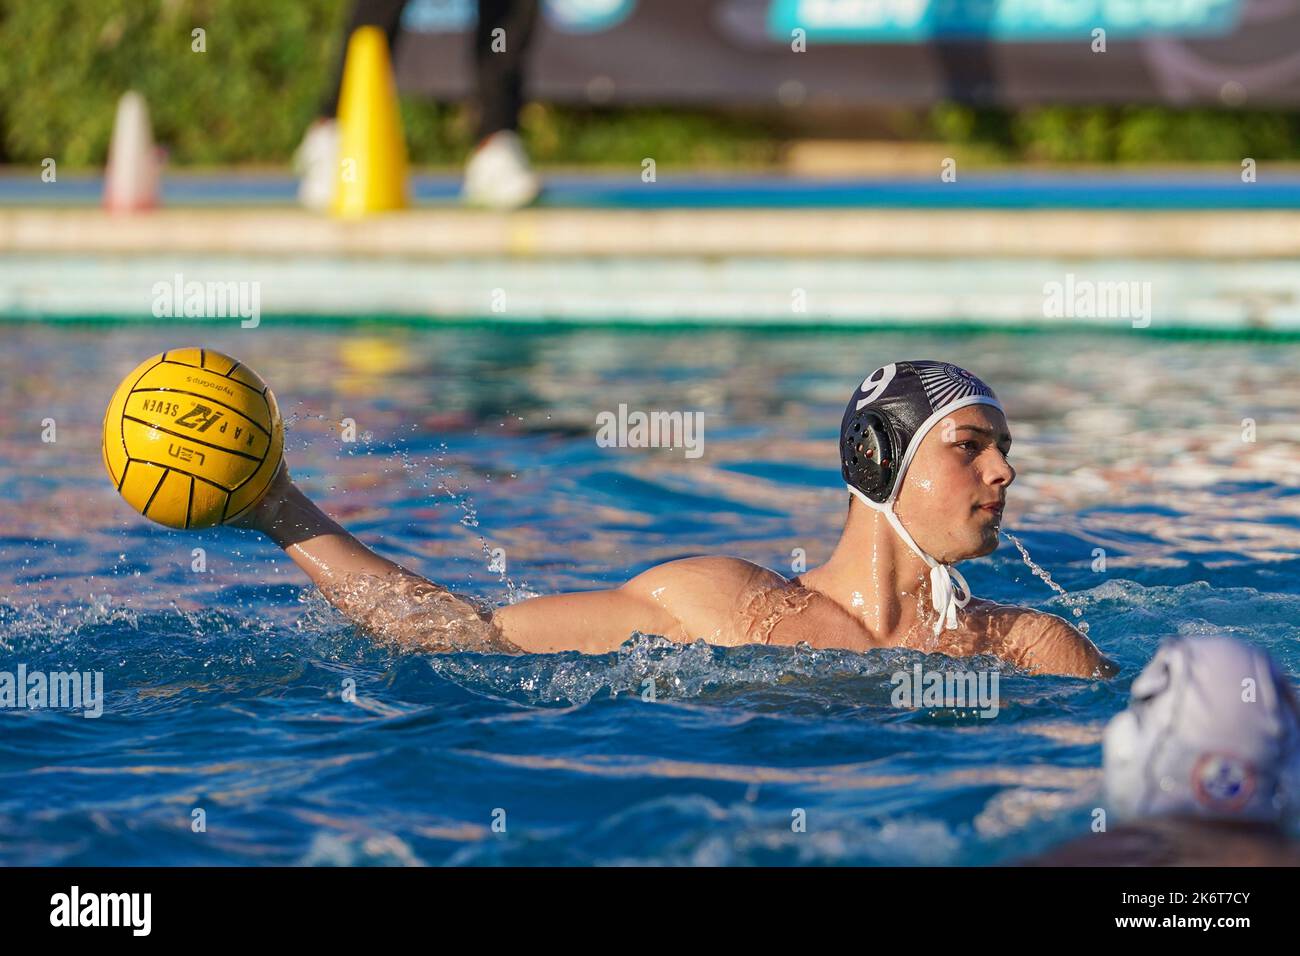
x=437, y=479
x=458, y=491
x=1072, y=603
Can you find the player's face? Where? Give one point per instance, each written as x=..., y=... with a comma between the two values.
x=956, y=486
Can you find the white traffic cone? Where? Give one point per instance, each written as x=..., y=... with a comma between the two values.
x=131, y=181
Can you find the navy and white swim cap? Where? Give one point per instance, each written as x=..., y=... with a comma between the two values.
x=1212, y=730
x=891, y=412
x=888, y=416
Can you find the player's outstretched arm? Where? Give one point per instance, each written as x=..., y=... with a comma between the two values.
x=390, y=602
x=400, y=606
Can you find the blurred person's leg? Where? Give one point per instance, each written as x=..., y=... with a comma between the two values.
x=499, y=76
x=316, y=159
x=498, y=174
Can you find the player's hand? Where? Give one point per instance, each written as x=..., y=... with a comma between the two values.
x=262, y=515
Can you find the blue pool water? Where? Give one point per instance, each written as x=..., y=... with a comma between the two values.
x=224, y=688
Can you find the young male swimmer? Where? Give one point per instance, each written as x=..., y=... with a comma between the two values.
x=923, y=450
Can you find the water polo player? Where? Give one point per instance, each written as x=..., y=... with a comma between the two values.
x=924, y=450
x=1202, y=768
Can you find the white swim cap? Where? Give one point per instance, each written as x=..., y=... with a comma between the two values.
x=1211, y=730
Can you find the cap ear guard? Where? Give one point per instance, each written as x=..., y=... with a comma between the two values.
x=867, y=458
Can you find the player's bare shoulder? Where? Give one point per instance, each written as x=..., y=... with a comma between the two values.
x=731, y=601
x=1035, y=640
x=705, y=594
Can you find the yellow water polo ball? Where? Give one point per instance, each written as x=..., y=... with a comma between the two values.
x=192, y=438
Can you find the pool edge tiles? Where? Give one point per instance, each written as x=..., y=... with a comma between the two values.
x=444, y=233
x=1118, y=294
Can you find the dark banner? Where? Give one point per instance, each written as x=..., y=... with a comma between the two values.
x=831, y=53
x=347, y=908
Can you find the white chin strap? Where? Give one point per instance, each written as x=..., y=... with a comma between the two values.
x=945, y=597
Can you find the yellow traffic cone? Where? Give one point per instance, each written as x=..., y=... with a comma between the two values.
x=372, y=152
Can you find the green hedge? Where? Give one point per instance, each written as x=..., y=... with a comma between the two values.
x=248, y=98
x=1123, y=134
x=64, y=63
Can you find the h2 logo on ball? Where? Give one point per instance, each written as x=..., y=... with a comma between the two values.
x=204, y=418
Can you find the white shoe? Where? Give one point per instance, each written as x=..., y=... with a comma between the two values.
x=498, y=175
x=316, y=162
